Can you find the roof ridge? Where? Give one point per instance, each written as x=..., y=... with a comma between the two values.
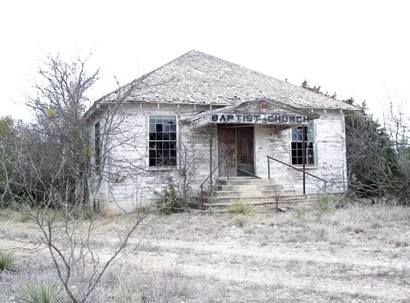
x=221, y=82
x=265, y=75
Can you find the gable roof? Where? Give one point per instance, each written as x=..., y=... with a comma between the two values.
x=199, y=78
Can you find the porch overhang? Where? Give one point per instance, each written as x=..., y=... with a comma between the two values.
x=255, y=112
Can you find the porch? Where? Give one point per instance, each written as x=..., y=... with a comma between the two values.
x=249, y=137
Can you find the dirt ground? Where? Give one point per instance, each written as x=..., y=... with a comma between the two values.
x=353, y=254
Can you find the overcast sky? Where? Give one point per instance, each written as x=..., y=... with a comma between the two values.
x=356, y=48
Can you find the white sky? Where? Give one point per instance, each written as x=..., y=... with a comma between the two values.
x=356, y=48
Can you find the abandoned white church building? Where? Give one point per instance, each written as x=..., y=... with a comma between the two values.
x=217, y=132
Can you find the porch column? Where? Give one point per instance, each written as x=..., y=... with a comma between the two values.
x=303, y=159
x=210, y=157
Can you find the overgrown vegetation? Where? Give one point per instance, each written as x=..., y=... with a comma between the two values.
x=374, y=169
x=378, y=159
x=239, y=207
x=52, y=170
x=188, y=256
x=40, y=292
x=325, y=203
x=169, y=201
x=6, y=261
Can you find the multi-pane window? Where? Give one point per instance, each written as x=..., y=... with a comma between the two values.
x=162, y=141
x=297, y=145
x=97, y=147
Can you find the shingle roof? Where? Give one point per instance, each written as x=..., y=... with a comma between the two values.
x=199, y=78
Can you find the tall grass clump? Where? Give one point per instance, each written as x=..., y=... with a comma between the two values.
x=239, y=207
x=40, y=292
x=325, y=203
x=6, y=261
x=23, y=215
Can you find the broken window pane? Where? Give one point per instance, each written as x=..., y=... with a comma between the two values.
x=297, y=145
x=162, y=141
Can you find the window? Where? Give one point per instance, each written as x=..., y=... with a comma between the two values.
x=162, y=141
x=97, y=147
x=297, y=145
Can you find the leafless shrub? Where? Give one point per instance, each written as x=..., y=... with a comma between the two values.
x=55, y=169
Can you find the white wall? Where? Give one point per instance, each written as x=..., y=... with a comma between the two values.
x=137, y=188
x=137, y=182
x=330, y=153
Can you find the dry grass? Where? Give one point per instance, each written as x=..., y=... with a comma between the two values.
x=162, y=287
x=352, y=254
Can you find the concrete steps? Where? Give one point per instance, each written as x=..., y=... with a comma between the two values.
x=255, y=192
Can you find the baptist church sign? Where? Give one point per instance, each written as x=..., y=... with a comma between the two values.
x=254, y=112
x=270, y=118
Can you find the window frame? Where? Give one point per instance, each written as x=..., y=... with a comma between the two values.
x=148, y=122
x=314, y=146
x=97, y=147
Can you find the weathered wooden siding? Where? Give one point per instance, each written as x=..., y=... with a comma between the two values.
x=138, y=183
x=139, y=186
x=329, y=140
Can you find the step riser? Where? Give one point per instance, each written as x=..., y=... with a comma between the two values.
x=248, y=187
x=245, y=182
x=256, y=199
x=248, y=193
x=254, y=192
x=262, y=208
x=261, y=204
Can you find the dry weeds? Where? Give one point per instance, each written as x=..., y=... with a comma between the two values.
x=353, y=254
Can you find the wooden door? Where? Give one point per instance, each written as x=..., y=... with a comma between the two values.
x=227, y=151
x=235, y=150
x=245, y=153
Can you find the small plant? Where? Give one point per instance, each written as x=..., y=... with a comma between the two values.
x=169, y=202
x=343, y=202
x=241, y=221
x=300, y=213
x=324, y=203
x=40, y=292
x=84, y=212
x=23, y=215
x=6, y=261
x=239, y=207
x=142, y=210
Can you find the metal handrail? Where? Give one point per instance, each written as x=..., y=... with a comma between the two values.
x=298, y=169
x=246, y=172
x=206, y=179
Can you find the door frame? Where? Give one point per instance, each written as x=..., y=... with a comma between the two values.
x=236, y=145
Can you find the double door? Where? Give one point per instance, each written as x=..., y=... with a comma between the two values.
x=236, y=150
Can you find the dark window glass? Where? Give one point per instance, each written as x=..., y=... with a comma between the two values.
x=297, y=145
x=97, y=147
x=162, y=141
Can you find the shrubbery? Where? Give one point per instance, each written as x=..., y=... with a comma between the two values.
x=40, y=292
x=374, y=169
x=6, y=261
x=239, y=207
x=169, y=202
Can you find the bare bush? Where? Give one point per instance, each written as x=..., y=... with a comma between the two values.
x=56, y=167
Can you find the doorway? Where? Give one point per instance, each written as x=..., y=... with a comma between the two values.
x=236, y=150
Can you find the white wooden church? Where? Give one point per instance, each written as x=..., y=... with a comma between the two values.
x=218, y=132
